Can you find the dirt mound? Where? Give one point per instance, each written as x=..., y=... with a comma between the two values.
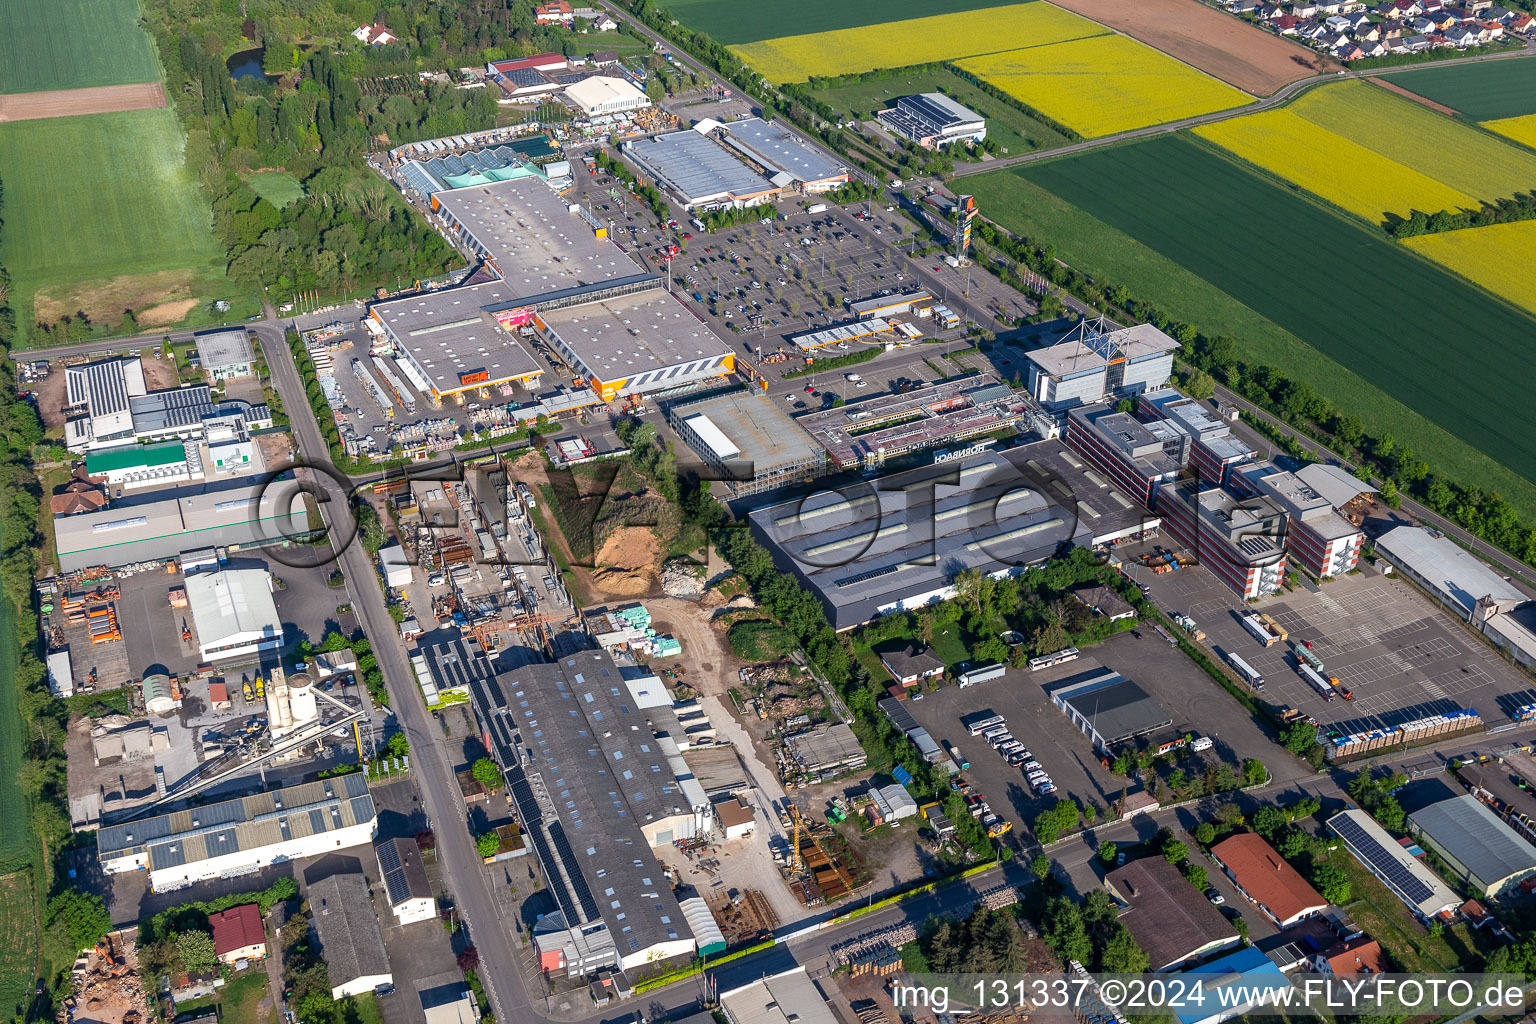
x=167, y=312
x=619, y=583
x=632, y=548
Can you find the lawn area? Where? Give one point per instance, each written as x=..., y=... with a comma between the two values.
x=1482, y=91
x=1096, y=248
x=584, y=44
x=73, y=44
x=1238, y=227
x=745, y=21
x=1012, y=129
x=241, y=999
x=849, y=51
x=1104, y=84
x=101, y=212
x=16, y=842
x=1385, y=918
x=948, y=645
x=18, y=941
x=50, y=481
x=275, y=187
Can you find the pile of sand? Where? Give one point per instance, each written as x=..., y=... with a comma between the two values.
x=628, y=562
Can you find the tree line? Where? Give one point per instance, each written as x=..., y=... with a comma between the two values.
x=1518, y=207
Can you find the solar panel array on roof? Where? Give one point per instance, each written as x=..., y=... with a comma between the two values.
x=1411, y=887
x=394, y=873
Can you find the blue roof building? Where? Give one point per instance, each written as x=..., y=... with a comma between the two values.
x=1233, y=985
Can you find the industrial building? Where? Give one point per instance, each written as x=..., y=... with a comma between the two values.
x=1230, y=987
x=145, y=465
x=1098, y=361
x=226, y=353
x=238, y=934
x=1139, y=457
x=1464, y=586
x=932, y=120
x=604, y=94
x=1373, y=846
x=241, y=836
x=107, y=406
x=826, y=751
x=790, y=997
x=557, y=275
x=918, y=302
x=593, y=790
x=151, y=531
x=1108, y=708
x=1170, y=926
x=1105, y=514
x=865, y=434
x=1267, y=879
x=350, y=942
x=1476, y=845
x=234, y=613
x=698, y=172
x=786, y=159
x=635, y=344
x=1323, y=542
x=1213, y=450
x=405, y=880
x=1241, y=540
x=871, y=549
x=922, y=739
x=531, y=157
x=747, y=441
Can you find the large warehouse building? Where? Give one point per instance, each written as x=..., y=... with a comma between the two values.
x=593, y=791
x=1477, y=846
x=698, y=172
x=869, y=549
x=154, y=531
x=553, y=270
x=788, y=160
x=242, y=836
x=234, y=613
x=747, y=441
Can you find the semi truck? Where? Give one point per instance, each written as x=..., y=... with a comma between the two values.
x=1306, y=657
x=981, y=675
x=1323, y=687
x=959, y=758
x=1260, y=632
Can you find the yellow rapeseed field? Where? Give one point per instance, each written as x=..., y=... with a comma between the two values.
x=1522, y=129
x=1498, y=257
x=1104, y=84
x=897, y=44
x=1415, y=136
x=1341, y=171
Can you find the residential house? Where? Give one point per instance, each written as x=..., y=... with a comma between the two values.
x=1285, y=24
x=238, y=933
x=1352, y=7
x=374, y=35
x=556, y=12
x=1416, y=43
x=1245, y=6
x=1304, y=9
x=1461, y=37
x=1360, y=955
x=603, y=23
x=1368, y=34
x=1269, y=12
x=1267, y=879
x=1478, y=6
x=909, y=664
x=1311, y=31
x=1329, y=6
x=1519, y=21
x=1346, y=50
x=1371, y=48
x=1359, y=21
x=1497, y=13
x=1338, y=23
x=1425, y=25
x=1389, y=32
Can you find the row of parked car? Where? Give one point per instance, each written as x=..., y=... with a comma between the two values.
x=1018, y=756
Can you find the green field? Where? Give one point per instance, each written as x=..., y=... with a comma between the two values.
x=101, y=207
x=1180, y=250
x=1482, y=91
x=16, y=846
x=747, y=21
x=18, y=941
x=1012, y=129
x=275, y=187
x=73, y=44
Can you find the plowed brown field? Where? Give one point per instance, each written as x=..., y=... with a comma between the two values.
x=104, y=99
x=1221, y=45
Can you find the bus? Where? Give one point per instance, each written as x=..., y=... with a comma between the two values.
x=959, y=758
x=981, y=725
x=1246, y=671
x=1058, y=658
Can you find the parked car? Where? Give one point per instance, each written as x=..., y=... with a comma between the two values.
x=1216, y=898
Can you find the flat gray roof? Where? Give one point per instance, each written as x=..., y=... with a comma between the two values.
x=869, y=546
x=1118, y=709
x=538, y=242
x=778, y=149
x=224, y=348
x=1088, y=346
x=1470, y=832
x=1336, y=484
x=762, y=433
x=1449, y=568
x=448, y=333
x=1104, y=512
x=696, y=168
x=349, y=934
x=621, y=337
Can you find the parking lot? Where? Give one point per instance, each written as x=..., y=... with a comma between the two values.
x=1398, y=653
